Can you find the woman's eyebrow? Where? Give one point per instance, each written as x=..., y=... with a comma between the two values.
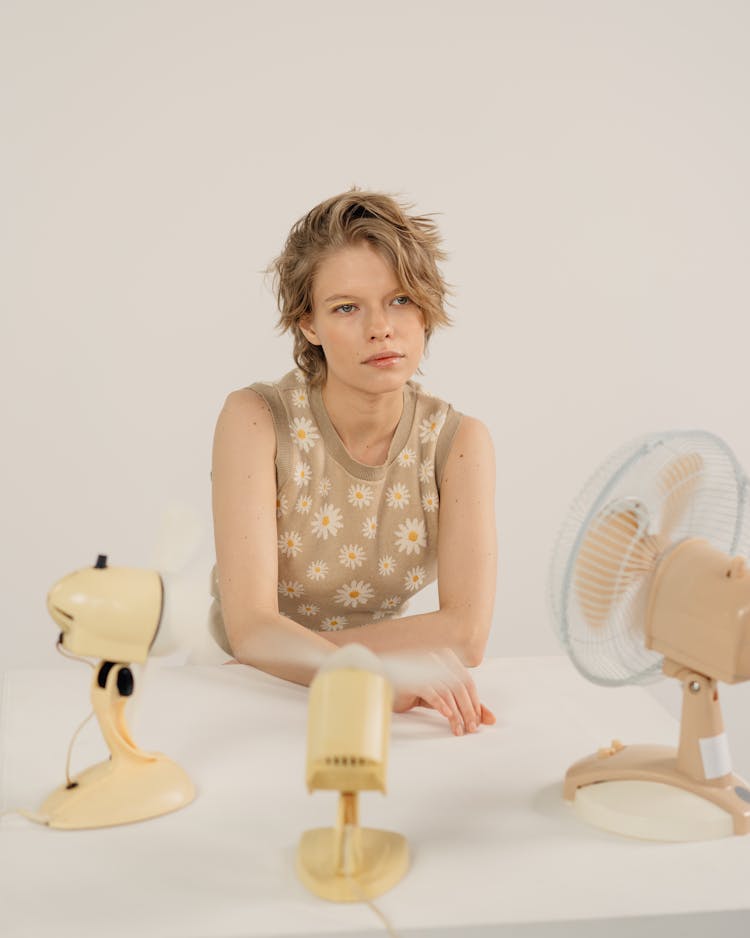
x=353, y=296
x=340, y=296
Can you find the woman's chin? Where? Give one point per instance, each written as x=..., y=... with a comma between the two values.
x=369, y=379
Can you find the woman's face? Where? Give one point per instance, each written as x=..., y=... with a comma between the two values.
x=371, y=332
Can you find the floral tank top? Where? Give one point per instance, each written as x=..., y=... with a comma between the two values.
x=355, y=542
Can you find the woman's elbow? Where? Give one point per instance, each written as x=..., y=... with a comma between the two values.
x=473, y=654
x=471, y=647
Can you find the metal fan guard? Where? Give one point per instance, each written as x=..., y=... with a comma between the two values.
x=616, y=655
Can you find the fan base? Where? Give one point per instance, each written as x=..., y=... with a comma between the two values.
x=651, y=811
x=640, y=792
x=384, y=861
x=115, y=792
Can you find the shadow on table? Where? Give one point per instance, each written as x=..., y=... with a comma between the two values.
x=735, y=924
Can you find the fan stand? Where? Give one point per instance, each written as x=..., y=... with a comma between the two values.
x=662, y=793
x=349, y=863
x=131, y=785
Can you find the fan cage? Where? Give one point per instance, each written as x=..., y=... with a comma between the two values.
x=615, y=654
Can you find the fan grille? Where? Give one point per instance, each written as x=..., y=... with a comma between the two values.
x=613, y=652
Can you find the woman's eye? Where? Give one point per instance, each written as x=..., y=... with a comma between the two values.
x=345, y=308
x=401, y=301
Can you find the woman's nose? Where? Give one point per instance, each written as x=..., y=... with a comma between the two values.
x=380, y=325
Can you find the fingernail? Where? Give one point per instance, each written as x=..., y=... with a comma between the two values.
x=472, y=727
x=459, y=729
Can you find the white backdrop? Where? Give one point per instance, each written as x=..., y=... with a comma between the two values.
x=590, y=163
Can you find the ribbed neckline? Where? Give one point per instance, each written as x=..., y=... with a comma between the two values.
x=337, y=450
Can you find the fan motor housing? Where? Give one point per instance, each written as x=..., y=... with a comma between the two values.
x=108, y=612
x=699, y=611
x=348, y=730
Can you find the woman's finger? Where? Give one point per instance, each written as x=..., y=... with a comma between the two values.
x=461, y=676
x=435, y=700
x=465, y=706
x=445, y=703
x=488, y=717
x=461, y=711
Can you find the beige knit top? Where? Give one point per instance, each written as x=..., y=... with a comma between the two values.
x=355, y=542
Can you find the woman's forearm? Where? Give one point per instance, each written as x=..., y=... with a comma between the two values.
x=445, y=628
x=279, y=646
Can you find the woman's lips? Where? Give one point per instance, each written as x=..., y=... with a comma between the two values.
x=384, y=360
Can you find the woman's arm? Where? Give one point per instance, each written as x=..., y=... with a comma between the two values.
x=244, y=508
x=467, y=560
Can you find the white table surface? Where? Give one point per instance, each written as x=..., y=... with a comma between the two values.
x=492, y=842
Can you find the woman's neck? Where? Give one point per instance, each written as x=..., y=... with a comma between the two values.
x=364, y=422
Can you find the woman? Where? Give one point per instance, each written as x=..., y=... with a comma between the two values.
x=343, y=489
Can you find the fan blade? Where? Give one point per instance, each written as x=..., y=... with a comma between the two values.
x=614, y=555
x=185, y=597
x=677, y=483
x=179, y=537
x=416, y=671
x=410, y=671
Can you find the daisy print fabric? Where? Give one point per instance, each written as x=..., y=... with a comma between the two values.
x=302, y=473
x=360, y=495
x=411, y=536
x=354, y=542
x=303, y=433
x=397, y=496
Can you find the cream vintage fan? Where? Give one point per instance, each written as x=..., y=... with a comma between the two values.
x=349, y=717
x=648, y=577
x=115, y=614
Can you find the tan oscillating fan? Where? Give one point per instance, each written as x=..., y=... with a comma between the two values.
x=648, y=577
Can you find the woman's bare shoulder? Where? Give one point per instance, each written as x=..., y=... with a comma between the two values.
x=472, y=433
x=245, y=407
x=245, y=401
x=245, y=417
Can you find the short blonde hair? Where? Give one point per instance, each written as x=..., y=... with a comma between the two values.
x=410, y=243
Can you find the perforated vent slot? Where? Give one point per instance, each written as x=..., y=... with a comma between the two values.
x=347, y=760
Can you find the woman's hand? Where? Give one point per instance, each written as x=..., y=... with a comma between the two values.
x=438, y=680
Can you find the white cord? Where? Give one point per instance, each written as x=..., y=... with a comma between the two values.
x=356, y=888
x=68, y=779
x=68, y=654
x=34, y=815
x=61, y=650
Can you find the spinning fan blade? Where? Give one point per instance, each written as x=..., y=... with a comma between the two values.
x=178, y=543
x=617, y=551
x=677, y=483
x=615, y=554
x=426, y=673
x=416, y=671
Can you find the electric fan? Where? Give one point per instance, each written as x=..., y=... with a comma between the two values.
x=347, y=751
x=116, y=614
x=647, y=577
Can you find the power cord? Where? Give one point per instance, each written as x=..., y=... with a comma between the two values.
x=359, y=893
x=35, y=816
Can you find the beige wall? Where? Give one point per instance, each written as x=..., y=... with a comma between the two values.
x=590, y=161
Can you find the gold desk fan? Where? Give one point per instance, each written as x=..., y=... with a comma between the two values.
x=648, y=577
x=116, y=614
